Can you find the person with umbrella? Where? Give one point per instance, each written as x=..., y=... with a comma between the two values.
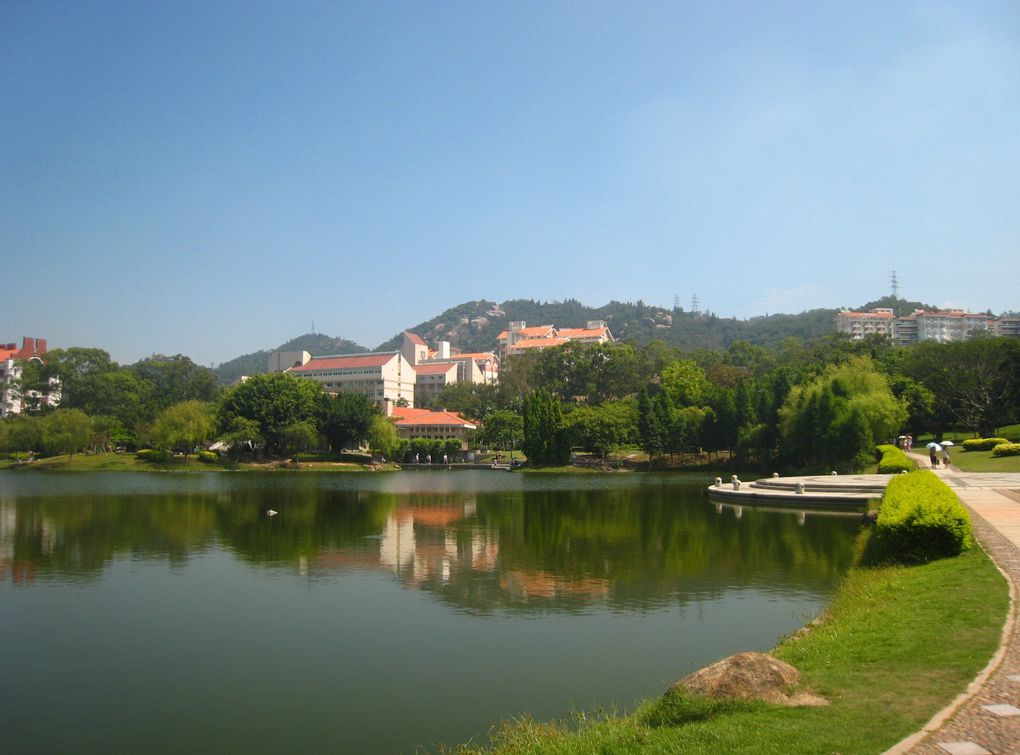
x=933, y=454
x=945, y=452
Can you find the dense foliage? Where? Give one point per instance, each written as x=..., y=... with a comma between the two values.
x=921, y=519
x=891, y=460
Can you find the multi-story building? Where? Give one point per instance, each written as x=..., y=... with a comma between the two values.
x=12, y=398
x=944, y=326
x=475, y=367
x=380, y=377
x=432, y=378
x=519, y=338
x=860, y=324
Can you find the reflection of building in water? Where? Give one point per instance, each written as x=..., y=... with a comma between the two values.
x=427, y=543
x=542, y=584
x=38, y=532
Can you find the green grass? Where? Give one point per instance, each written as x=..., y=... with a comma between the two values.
x=127, y=462
x=983, y=461
x=896, y=645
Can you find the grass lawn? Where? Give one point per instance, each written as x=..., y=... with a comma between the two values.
x=130, y=463
x=983, y=461
x=895, y=646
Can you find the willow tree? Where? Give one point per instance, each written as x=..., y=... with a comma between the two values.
x=839, y=416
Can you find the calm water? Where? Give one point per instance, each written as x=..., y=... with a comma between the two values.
x=374, y=613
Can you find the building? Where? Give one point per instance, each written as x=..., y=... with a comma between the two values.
x=380, y=377
x=519, y=338
x=857, y=325
x=943, y=326
x=12, y=400
x=475, y=367
x=422, y=423
x=432, y=378
x=280, y=361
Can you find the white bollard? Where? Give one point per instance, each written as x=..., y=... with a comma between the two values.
x=775, y=474
x=718, y=482
x=733, y=478
x=834, y=473
x=736, y=483
x=800, y=488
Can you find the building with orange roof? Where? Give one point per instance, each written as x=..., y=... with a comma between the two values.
x=12, y=399
x=381, y=377
x=942, y=326
x=432, y=378
x=475, y=367
x=423, y=423
x=519, y=338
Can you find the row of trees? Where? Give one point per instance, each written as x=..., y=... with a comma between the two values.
x=799, y=404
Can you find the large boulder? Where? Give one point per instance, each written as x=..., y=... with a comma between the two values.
x=749, y=676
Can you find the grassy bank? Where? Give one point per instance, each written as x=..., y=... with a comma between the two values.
x=895, y=646
x=983, y=461
x=128, y=462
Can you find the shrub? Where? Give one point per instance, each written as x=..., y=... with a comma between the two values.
x=1006, y=449
x=983, y=444
x=892, y=460
x=921, y=519
x=153, y=455
x=208, y=457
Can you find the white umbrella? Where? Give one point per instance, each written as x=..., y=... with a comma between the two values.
x=948, y=443
x=935, y=446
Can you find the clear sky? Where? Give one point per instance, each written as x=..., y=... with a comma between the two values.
x=210, y=178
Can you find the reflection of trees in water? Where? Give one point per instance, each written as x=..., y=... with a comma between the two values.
x=533, y=550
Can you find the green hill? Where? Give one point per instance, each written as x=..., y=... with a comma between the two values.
x=258, y=362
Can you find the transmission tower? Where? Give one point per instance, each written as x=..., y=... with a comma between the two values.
x=694, y=304
x=895, y=286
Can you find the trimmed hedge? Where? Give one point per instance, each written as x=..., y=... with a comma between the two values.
x=153, y=455
x=921, y=519
x=1006, y=449
x=983, y=444
x=208, y=457
x=892, y=460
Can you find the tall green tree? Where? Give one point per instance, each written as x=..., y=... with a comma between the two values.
x=66, y=431
x=273, y=401
x=184, y=426
x=545, y=442
x=344, y=419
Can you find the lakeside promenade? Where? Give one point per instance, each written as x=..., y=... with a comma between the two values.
x=985, y=718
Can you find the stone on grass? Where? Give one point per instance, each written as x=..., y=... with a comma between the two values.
x=749, y=676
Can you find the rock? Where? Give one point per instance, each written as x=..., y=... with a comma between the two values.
x=749, y=676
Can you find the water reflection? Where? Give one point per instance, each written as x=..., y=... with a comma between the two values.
x=522, y=548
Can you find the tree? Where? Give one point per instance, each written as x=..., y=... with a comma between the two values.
x=273, y=401
x=502, y=429
x=685, y=383
x=241, y=435
x=344, y=419
x=177, y=379
x=298, y=436
x=66, y=431
x=382, y=437
x=184, y=426
x=544, y=441
x=600, y=428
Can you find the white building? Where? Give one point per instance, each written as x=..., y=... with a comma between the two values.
x=857, y=325
x=380, y=377
x=519, y=338
x=11, y=357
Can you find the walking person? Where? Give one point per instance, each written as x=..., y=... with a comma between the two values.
x=945, y=457
x=933, y=456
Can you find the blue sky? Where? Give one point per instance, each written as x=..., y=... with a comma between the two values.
x=210, y=178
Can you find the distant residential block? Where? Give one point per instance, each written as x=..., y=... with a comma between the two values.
x=945, y=326
x=519, y=338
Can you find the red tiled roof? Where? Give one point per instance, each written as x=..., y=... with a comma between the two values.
x=539, y=343
x=414, y=338
x=407, y=417
x=344, y=362
x=434, y=368
x=536, y=330
x=581, y=332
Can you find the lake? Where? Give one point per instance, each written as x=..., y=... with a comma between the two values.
x=374, y=612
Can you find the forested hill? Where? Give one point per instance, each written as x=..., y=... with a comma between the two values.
x=316, y=344
x=474, y=325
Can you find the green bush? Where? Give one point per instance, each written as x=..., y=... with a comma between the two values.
x=921, y=519
x=1006, y=449
x=892, y=460
x=983, y=444
x=208, y=457
x=153, y=455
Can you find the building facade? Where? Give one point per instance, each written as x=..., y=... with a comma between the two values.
x=943, y=326
x=380, y=377
x=13, y=399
